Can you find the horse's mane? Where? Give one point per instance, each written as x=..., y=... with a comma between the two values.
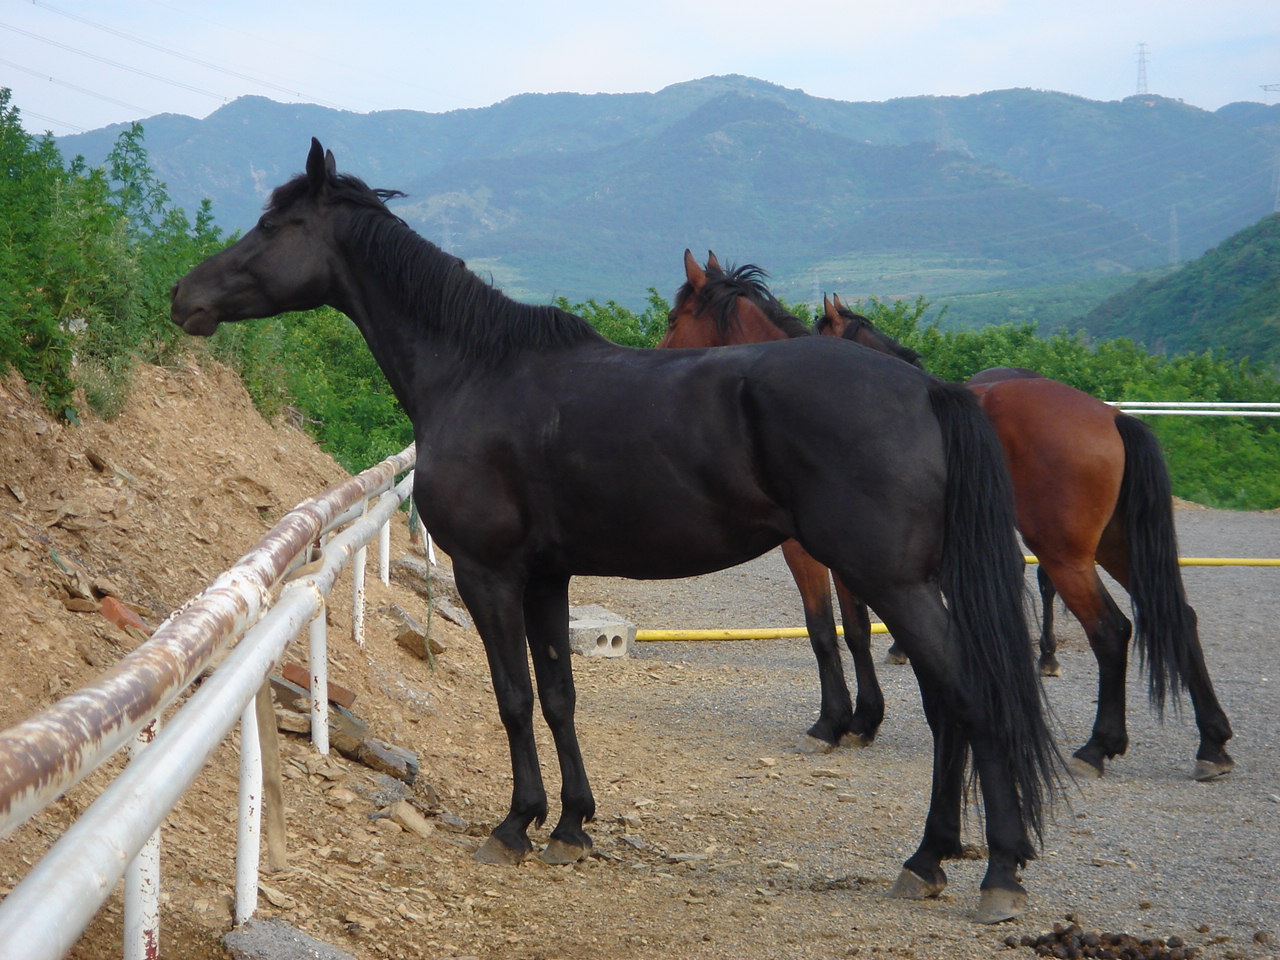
x=858, y=323
x=481, y=321
x=720, y=292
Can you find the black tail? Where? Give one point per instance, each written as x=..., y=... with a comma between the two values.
x=982, y=580
x=1164, y=625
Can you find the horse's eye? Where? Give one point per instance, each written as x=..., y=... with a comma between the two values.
x=266, y=225
x=671, y=318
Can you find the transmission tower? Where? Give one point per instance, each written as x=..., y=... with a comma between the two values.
x=1142, y=69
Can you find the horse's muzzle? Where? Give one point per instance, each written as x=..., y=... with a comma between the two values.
x=196, y=321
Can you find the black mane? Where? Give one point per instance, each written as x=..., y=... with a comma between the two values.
x=860, y=328
x=435, y=287
x=722, y=289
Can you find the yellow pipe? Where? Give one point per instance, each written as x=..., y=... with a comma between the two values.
x=1211, y=561
x=788, y=633
x=746, y=633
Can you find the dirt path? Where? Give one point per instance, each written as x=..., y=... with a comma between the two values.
x=1145, y=850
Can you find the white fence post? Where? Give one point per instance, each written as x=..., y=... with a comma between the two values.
x=142, y=882
x=249, y=822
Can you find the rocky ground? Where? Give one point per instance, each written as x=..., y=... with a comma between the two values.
x=715, y=838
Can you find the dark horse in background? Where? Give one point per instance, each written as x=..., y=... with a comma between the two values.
x=545, y=451
x=1090, y=488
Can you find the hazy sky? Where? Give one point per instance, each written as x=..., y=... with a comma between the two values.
x=81, y=64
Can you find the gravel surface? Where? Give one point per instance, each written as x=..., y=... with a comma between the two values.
x=1144, y=850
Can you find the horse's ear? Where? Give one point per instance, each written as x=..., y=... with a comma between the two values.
x=692, y=272
x=712, y=262
x=330, y=165
x=318, y=166
x=836, y=298
x=830, y=309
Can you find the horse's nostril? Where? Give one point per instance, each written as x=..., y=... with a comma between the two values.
x=173, y=291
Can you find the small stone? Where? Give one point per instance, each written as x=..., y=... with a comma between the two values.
x=406, y=815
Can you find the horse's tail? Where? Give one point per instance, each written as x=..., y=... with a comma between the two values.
x=1164, y=625
x=982, y=580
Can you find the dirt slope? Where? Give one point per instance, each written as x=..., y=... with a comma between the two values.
x=151, y=507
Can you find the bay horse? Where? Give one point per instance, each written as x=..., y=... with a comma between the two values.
x=707, y=313
x=1090, y=488
x=545, y=451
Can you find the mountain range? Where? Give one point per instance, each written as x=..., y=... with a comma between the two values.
x=597, y=195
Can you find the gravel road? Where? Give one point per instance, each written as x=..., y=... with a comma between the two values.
x=1144, y=850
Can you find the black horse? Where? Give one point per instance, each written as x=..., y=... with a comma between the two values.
x=544, y=451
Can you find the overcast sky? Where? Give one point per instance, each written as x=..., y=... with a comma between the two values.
x=78, y=65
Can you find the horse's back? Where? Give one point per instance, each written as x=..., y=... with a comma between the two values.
x=999, y=374
x=843, y=432
x=1064, y=455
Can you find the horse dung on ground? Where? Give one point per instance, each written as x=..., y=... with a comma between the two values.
x=534, y=433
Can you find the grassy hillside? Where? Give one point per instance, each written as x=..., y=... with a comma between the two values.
x=1228, y=299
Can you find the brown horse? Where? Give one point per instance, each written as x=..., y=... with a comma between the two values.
x=839, y=720
x=1090, y=488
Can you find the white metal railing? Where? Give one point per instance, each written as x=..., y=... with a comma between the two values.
x=41, y=758
x=1197, y=408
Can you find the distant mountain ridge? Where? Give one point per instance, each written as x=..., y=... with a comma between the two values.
x=598, y=195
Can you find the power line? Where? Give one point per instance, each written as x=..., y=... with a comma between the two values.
x=115, y=63
x=71, y=86
x=183, y=56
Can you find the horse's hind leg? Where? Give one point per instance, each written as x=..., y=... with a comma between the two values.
x=835, y=712
x=1212, y=759
x=1049, y=666
x=1108, y=631
x=546, y=613
x=920, y=621
x=495, y=603
x=868, y=711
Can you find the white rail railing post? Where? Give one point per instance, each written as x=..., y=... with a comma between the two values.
x=357, y=593
x=142, y=882
x=249, y=822
x=384, y=554
x=318, y=666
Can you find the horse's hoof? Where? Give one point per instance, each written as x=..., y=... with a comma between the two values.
x=1210, y=770
x=996, y=906
x=912, y=886
x=1084, y=770
x=1050, y=668
x=811, y=745
x=895, y=657
x=858, y=740
x=496, y=852
x=558, y=853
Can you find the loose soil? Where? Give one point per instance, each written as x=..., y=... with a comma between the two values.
x=715, y=837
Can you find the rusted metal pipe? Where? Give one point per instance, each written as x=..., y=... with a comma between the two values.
x=46, y=755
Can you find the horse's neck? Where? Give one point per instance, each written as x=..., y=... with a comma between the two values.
x=415, y=356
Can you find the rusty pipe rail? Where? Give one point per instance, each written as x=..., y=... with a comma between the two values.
x=49, y=753
x=44, y=915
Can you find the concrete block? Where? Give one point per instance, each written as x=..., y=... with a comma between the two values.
x=595, y=632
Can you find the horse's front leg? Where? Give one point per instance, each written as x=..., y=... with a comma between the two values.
x=546, y=614
x=835, y=712
x=495, y=603
x=868, y=709
x=1049, y=666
